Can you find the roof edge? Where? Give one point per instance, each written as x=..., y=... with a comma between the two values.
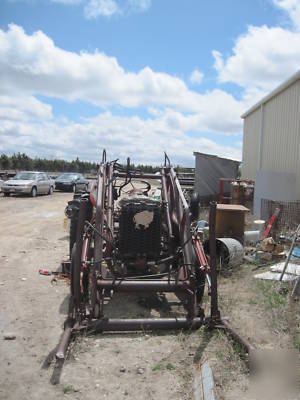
x=215, y=156
x=274, y=92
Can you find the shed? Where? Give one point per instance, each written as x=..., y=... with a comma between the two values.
x=271, y=148
x=208, y=171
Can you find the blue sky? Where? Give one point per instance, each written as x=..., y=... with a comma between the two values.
x=139, y=76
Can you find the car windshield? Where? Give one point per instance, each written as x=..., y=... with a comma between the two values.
x=67, y=176
x=25, y=176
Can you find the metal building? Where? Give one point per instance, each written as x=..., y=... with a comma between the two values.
x=271, y=146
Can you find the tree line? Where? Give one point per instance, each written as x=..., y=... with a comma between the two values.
x=21, y=161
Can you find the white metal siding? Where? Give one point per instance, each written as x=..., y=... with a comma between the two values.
x=251, y=144
x=280, y=151
x=280, y=144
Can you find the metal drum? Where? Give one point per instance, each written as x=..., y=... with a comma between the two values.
x=230, y=251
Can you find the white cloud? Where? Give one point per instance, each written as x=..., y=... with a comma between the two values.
x=106, y=8
x=139, y=5
x=144, y=140
x=67, y=2
x=24, y=108
x=196, y=76
x=261, y=59
x=32, y=64
x=292, y=7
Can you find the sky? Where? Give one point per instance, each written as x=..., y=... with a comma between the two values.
x=139, y=77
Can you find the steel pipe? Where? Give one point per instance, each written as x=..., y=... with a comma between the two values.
x=63, y=345
x=136, y=175
x=237, y=337
x=214, y=310
x=144, y=324
x=143, y=285
x=166, y=203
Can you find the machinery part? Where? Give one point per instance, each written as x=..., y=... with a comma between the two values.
x=63, y=345
x=147, y=324
x=143, y=285
x=140, y=228
x=76, y=268
x=194, y=205
x=142, y=190
x=72, y=212
x=214, y=310
x=237, y=336
x=229, y=252
x=153, y=235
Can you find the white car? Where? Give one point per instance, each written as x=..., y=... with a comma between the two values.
x=29, y=182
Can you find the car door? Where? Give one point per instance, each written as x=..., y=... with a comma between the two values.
x=80, y=185
x=47, y=183
x=41, y=183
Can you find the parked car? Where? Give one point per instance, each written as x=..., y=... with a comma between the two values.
x=29, y=182
x=70, y=181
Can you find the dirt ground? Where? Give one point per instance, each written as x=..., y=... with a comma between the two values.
x=112, y=366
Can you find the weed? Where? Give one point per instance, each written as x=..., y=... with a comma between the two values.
x=253, y=301
x=157, y=367
x=68, y=389
x=297, y=341
x=237, y=348
x=170, y=366
x=272, y=297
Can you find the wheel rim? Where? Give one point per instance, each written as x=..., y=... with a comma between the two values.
x=33, y=192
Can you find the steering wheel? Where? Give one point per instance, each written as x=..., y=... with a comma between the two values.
x=134, y=190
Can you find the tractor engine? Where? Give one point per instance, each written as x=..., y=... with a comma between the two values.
x=140, y=230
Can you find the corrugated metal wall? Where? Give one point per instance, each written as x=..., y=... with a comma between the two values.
x=251, y=144
x=281, y=135
x=280, y=145
x=208, y=171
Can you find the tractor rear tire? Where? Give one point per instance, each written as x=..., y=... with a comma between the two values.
x=73, y=232
x=75, y=279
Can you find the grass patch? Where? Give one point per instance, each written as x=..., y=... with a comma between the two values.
x=297, y=341
x=271, y=296
x=253, y=302
x=170, y=366
x=159, y=367
x=68, y=389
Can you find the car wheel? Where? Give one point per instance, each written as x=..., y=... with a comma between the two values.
x=33, y=192
x=50, y=190
x=6, y=194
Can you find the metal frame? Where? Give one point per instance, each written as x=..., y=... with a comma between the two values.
x=97, y=263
